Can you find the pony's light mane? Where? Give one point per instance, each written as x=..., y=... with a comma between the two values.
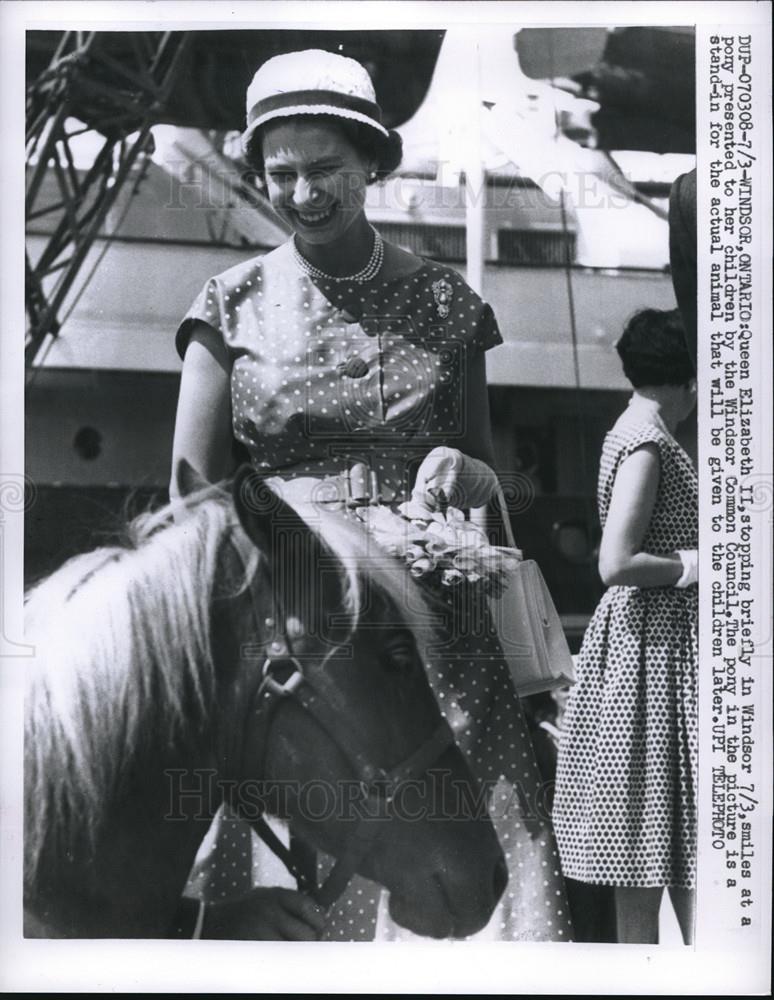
x=122, y=644
x=122, y=649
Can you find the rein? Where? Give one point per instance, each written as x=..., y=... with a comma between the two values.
x=282, y=677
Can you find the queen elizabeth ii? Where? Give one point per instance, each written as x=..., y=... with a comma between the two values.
x=339, y=350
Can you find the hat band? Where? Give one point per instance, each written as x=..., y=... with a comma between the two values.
x=313, y=98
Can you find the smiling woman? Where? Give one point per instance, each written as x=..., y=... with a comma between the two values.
x=354, y=371
x=319, y=149
x=316, y=181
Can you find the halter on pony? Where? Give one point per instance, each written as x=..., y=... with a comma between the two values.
x=141, y=669
x=281, y=677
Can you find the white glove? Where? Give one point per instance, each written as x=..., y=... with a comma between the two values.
x=446, y=476
x=690, y=560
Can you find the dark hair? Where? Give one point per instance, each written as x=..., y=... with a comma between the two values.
x=386, y=150
x=653, y=349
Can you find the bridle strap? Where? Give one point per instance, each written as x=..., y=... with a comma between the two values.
x=378, y=783
x=315, y=702
x=301, y=861
x=292, y=857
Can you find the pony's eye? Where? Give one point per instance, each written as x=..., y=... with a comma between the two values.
x=400, y=655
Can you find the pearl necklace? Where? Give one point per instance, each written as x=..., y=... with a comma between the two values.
x=368, y=273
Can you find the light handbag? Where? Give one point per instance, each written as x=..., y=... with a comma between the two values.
x=528, y=625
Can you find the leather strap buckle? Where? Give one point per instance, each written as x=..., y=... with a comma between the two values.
x=276, y=685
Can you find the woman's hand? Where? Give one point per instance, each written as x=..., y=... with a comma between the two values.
x=689, y=559
x=447, y=477
x=273, y=914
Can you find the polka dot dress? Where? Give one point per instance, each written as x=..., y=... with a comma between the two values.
x=325, y=375
x=625, y=805
x=473, y=687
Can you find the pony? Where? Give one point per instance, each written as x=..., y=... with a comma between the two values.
x=245, y=648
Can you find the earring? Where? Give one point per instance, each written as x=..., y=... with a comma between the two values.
x=372, y=175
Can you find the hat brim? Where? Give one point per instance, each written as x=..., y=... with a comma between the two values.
x=328, y=110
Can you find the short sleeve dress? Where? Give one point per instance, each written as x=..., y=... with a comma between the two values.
x=325, y=375
x=625, y=804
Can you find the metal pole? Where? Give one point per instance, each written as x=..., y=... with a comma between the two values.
x=475, y=183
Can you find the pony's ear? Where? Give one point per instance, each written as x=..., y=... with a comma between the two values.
x=263, y=513
x=187, y=480
x=306, y=576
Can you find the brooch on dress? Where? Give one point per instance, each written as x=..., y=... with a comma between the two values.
x=443, y=292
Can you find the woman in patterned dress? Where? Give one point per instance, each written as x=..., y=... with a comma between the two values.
x=625, y=805
x=339, y=350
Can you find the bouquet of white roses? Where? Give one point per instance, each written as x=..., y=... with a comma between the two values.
x=440, y=549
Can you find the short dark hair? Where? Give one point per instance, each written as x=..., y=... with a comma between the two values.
x=386, y=150
x=653, y=349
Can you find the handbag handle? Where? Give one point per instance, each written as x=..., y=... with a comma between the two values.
x=503, y=508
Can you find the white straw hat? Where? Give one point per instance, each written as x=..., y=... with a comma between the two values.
x=312, y=82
